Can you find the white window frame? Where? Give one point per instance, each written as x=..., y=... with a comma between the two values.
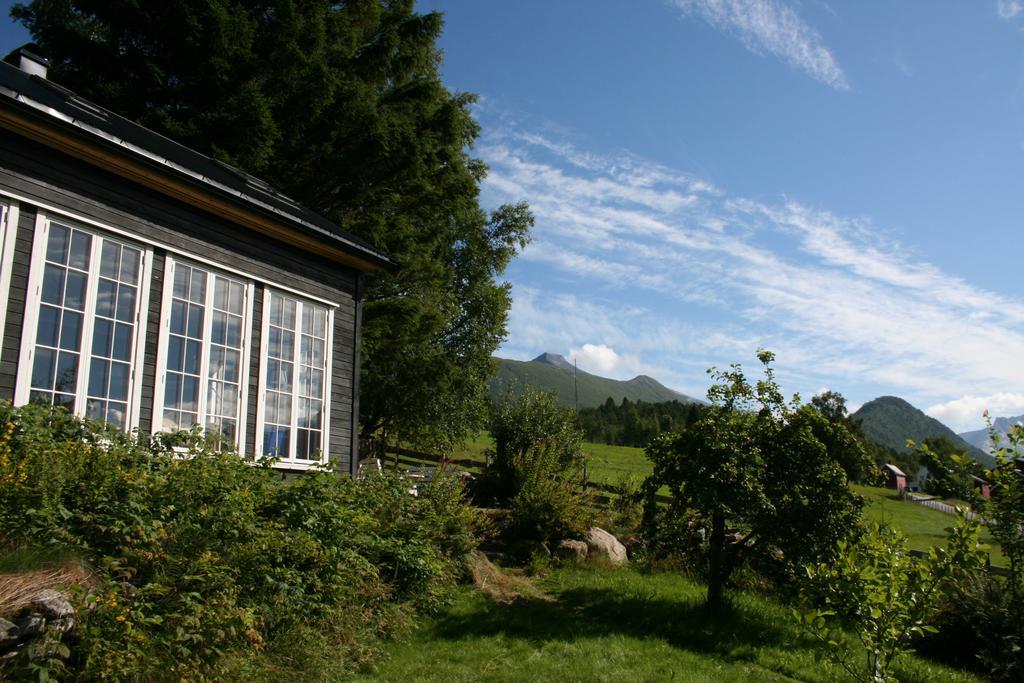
x=293, y=463
x=33, y=300
x=160, y=382
x=8, y=233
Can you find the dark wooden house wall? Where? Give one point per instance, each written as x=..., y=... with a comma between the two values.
x=45, y=177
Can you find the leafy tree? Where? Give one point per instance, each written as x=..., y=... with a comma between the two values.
x=340, y=106
x=847, y=444
x=755, y=476
x=889, y=597
x=949, y=468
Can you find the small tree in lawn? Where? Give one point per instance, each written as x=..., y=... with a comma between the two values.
x=753, y=464
x=885, y=595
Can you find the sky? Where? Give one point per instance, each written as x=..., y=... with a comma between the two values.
x=838, y=182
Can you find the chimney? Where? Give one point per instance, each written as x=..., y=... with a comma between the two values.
x=29, y=59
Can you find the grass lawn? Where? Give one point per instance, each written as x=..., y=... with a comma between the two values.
x=617, y=625
x=923, y=526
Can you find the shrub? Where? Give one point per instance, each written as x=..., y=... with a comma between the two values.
x=204, y=556
x=536, y=468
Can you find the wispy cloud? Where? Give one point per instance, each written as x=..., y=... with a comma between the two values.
x=1009, y=9
x=964, y=413
x=718, y=275
x=772, y=27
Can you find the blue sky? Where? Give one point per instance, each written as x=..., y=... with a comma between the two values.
x=839, y=182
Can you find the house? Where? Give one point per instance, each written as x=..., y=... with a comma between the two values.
x=894, y=478
x=152, y=287
x=982, y=486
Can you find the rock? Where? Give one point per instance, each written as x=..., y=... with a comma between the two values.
x=576, y=550
x=602, y=543
x=53, y=605
x=8, y=635
x=31, y=625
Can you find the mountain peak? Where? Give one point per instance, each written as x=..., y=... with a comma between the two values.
x=553, y=359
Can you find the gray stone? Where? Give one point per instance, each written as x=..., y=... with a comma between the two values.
x=8, y=635
x=31, y=625
x=574, y=549
x=601, y=543
x=53, y=604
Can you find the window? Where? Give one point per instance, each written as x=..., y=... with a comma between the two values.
x=81, y=338
x=203, y=353
x=294, y=372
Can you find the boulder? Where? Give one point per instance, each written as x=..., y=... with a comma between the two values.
x=53, y=604
x=8, y=635
x=576, y=550
x=600, y=543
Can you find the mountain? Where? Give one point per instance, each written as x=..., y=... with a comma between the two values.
x=552, y=372
x=890, y=421
x=979, y=437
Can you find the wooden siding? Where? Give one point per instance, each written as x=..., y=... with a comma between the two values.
x=16, y=300
x=45, y=177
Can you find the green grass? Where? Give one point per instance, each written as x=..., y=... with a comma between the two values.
x=923, y=526
x=618, y=625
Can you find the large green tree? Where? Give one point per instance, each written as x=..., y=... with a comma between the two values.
x=341, y=106
x=752, y=473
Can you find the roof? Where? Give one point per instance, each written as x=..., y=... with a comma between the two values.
x=56, y=107
x=895, y=470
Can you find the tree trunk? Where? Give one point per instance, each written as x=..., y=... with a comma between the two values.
x=716, y=573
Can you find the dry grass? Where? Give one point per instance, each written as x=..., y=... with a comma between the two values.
x=18, y=590
x=501, y=586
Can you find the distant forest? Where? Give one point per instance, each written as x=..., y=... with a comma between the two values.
x=635, y=423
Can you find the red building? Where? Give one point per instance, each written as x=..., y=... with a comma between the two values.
x=895, y=478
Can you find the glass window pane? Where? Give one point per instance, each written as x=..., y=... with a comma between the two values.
x=57, y=243
x=120, y=373
x=193, y=351
x=122, y=342
x=71, y=331
x=316, y=383
x=98, y=373
x=216, y=369
x=288, y=314
x=182, y=275
x=284, y=380
x=220, y=293
x=284, y=408
x=234, y=333
x=67, y=372
x=175, y=353
x=74, y=292
x=94, y=409
x=197, y=292
x=306, y=350
x=116, y=413
x=307, y=319
x=275, y=310
x=172, y=391
x=274, y=342
x=237, y=298
x=302, y=444
x=130, y=261
x=232, y=359
x=53, y=285
x=102, y=337
x=43, y=367
x=287, y=344
x=49, y=326
x=273, y=374
x=177, y=317
x=195, y=321
x=109, y=258
x=81, y=243
x=320, y=327
x=189, y=393
x=65, y=400
x=218, y=333
x=170, y=422
x=126, y=303
x=106, y=296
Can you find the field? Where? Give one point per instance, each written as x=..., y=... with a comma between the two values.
x=923, y=526
x=618, y=625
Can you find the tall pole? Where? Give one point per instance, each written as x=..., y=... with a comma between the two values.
x=575, y=386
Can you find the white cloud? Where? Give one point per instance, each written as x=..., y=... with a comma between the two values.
x=1009, y=9
x=839, y=302
x=965, y=413
x=773, y=27
x=602, y=360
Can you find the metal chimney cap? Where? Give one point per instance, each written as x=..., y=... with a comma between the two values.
x=29, y=58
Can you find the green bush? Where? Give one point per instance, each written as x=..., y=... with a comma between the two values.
x=203, y=556
x=536, y=468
